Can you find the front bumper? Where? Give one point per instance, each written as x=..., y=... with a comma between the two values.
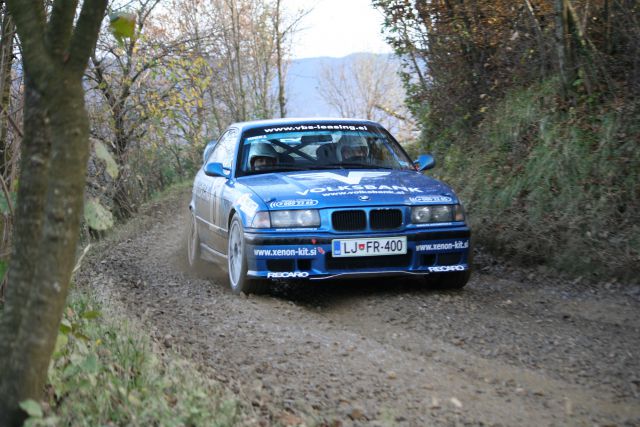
x=309, y=256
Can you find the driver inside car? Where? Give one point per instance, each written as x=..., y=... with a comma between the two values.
x=262, y=156
x=353, y=149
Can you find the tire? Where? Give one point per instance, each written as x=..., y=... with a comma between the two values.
x=193, y=244
x=237, y=262
x=455, y=280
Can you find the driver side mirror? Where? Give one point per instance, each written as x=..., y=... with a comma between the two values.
x=424, y=162
x=215, y=169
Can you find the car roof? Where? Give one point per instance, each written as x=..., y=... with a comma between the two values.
x=242, y=126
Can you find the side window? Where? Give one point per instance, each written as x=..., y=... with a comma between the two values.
x=224, y=150
x=207, y=150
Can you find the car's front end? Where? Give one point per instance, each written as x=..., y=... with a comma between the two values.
x=401, y=249
x=323, y=225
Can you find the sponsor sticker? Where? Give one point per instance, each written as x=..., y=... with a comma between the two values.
x=443, y=245
x=445, y=268
x=343, y=190
x=352, y=184
x=431, y=199
x=287, y=275
x=434, y=224
x=247, y=205
x=352, y=178
x=295, y=203
x=299, y=229
x=266, y=252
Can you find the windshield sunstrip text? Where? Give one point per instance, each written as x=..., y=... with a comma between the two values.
x=314, y=127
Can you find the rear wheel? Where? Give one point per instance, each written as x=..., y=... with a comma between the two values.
x=237, y=262
x=455, y=280
x=193, y=243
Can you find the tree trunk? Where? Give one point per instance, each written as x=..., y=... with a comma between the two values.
x=539, y=38
x=28, y=224
x=282, y=103
x=236, y=42
x=46, y=276
x=563, y=48
x=50, y=197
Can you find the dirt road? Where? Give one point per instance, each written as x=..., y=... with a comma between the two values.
x=512, y=348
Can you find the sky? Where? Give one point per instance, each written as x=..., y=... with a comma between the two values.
x=337, y=28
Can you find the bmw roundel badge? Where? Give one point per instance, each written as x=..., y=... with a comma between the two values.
x=363, y=198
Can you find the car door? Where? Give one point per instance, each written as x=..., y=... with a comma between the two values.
x=224, y=153
x=202, y=197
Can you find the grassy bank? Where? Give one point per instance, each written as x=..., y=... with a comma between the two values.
x=106, y=371
x=551, y=184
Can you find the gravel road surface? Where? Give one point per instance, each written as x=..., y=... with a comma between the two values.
x=514, y=348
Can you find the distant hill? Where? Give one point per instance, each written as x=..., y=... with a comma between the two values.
x=303, y=97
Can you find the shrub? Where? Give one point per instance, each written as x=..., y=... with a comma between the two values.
x=105, y=372
x=545, y=184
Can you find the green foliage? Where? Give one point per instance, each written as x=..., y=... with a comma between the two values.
x=122, y=25
x=547, y=185
x=104, y=372
x=97, y=216
x=163, y=165
x=32, y=408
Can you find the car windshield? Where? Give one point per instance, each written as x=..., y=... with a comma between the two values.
x=319, y=146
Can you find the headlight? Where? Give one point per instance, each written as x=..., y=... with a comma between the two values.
x=436, y=213
x=261, y=220
x=295, y=218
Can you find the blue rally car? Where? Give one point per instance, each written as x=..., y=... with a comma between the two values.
x=317, y=199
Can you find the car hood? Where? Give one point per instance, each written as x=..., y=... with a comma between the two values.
x=344, y=187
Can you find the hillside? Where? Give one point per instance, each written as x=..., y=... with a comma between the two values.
x=304, y=80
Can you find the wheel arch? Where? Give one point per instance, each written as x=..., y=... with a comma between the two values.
x=232, y=213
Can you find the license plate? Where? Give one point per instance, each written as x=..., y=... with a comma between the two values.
x=369, y=247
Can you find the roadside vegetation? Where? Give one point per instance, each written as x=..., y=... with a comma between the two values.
x=550, y=186
x=140, y=382
x=105, y=370
x=531, y=110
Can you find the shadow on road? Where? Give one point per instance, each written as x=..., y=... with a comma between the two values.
x=330, y=293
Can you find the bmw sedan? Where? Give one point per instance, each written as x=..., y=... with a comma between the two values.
x=315, y=199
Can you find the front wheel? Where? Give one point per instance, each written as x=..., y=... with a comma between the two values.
x=237, y=262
